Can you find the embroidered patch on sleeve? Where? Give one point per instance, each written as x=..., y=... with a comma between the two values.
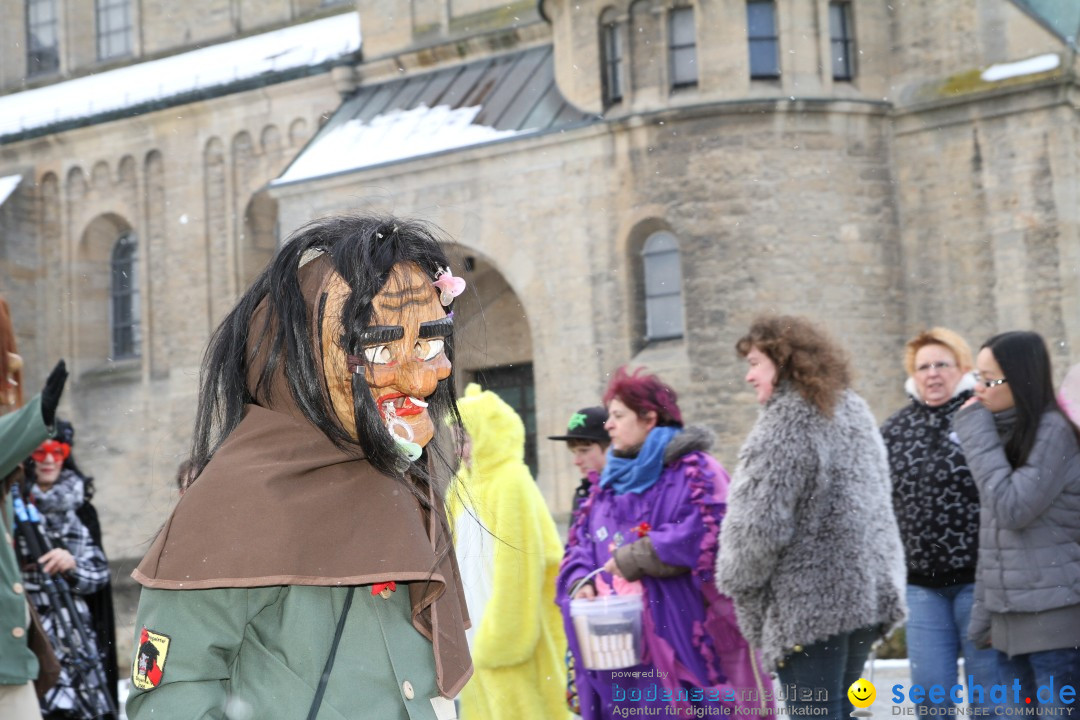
x=149, y=663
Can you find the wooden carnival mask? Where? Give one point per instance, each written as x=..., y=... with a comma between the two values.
x=403, y=354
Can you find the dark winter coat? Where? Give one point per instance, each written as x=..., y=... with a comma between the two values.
x=77, y=692
x=933, y=494
x=809, y=547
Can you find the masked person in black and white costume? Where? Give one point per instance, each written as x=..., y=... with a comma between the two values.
x=57, y=494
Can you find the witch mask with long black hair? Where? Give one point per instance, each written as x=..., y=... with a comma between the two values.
x=354, y=311
x=401, y=355
x=318, y=400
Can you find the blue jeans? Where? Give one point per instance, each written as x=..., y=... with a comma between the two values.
x=1037, y=673
x=831, y=665
x=937, y=635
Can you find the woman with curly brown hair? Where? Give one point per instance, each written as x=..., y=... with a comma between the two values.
x=809, y=550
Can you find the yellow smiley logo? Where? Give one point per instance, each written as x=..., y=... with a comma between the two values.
x=862, y=693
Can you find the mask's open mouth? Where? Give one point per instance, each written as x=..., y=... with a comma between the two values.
x=401, y=405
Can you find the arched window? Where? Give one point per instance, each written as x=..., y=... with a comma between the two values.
x=663, y=286
x=124, y=296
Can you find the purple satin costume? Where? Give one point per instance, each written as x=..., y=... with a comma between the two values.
x=689, y=630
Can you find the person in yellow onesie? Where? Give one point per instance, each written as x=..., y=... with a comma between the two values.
x=509, y=553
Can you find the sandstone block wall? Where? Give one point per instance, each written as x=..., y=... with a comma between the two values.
x=915, y=195
x=787, y=210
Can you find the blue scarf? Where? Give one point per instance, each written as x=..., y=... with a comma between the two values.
x=638, y=474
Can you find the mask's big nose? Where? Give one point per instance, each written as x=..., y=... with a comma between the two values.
x=414, y=379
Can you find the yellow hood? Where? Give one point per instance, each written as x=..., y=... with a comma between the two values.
x=497, y=432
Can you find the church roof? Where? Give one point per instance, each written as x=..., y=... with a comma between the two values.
x=197, y=74
x=8, y=183
x=499, y=98
x=1062, y=17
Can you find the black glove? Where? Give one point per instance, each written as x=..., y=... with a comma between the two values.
x=50, y=394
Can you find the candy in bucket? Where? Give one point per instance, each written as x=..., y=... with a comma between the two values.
x=608, y=629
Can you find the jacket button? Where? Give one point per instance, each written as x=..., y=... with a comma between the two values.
x=18, y=632
x=18, y=588
x=407, y=689
x=797, y=648
x=780, y=664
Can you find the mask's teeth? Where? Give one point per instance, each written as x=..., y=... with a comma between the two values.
x=417, y=401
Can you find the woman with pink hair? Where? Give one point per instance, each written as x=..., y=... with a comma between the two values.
x=652, y=524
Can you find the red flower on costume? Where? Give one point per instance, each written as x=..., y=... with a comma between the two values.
x=379, y=588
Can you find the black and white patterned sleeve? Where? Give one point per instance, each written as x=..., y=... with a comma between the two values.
x=91, y=571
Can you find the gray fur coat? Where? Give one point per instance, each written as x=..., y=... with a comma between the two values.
x=809, y=546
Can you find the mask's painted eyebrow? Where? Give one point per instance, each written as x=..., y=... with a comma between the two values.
x=380, y=334
x=436, y=328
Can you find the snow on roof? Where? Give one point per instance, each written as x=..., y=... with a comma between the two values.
x=1031, y=66
x=455, y=107
x=7, y=186
x=395, y=135
x=290, y=48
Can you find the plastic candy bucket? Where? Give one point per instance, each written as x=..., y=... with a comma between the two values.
x=608, y=631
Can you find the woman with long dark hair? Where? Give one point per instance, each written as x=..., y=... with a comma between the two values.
x=308, y=564
x=1024, y=454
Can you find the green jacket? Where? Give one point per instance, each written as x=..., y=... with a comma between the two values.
x=20, y=433
x=265, y=648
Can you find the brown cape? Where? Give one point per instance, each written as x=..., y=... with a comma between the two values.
x=279, y=504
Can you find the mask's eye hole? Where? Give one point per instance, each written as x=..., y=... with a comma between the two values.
x=427, y=349
x=378, y=354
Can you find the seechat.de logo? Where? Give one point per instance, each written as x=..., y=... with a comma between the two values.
x=998, y=699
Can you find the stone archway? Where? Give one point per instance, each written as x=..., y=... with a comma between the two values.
x=493, y=341
x=260, y=239
x=93, y=286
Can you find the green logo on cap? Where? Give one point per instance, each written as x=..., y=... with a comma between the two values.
x=576, y=420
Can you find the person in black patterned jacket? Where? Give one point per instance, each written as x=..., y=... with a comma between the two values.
x=58, y=493
x=99, y=603
x=937, y=508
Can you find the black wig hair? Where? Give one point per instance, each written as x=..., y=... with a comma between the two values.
x=1025, y=363
x=363, y=250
